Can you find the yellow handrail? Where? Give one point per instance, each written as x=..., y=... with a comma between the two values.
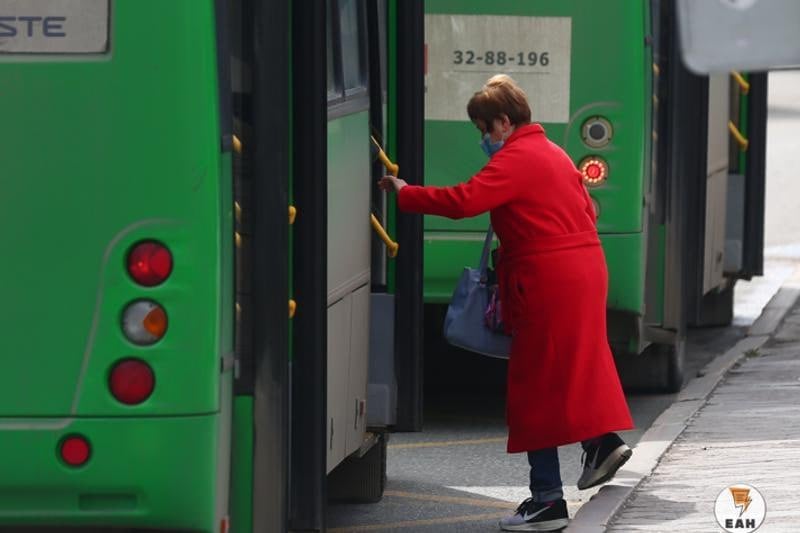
x=391, y=246
x=292, y=214
x=743, y=83
x=743, y=142
x=393, y=168
x=292, y=308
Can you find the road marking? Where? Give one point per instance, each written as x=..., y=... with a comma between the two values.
x=420, y=523
x=448, y=499
x=433, y=444
x=515, y=494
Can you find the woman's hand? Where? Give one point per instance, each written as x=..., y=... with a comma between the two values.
x=389, y=183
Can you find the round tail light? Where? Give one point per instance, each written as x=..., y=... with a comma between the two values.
x=594, y=170
x=74, y=450
x=131, y=381
x=149, y=263
x=144, y=322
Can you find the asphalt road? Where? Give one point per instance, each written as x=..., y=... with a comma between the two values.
x=456, y=475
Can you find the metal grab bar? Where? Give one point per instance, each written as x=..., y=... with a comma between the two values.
x=391, y=246
x=741, y=139
x=743, y=84
x=392, y=167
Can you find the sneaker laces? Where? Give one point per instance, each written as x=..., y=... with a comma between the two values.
x=521, y=507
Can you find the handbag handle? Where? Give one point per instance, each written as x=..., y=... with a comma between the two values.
x=483, y=266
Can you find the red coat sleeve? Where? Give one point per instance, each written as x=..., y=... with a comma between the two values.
x=492, y=187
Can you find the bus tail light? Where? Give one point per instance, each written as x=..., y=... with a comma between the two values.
x=74, y=450
x=144, y=322
x=131, y=381
x=149, y=263
x=594, y=170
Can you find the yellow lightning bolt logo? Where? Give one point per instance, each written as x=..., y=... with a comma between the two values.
x=741, y=498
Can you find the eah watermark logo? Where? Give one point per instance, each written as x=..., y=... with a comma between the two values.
x=740, y=508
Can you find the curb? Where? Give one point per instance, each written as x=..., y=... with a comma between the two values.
x=602, y=508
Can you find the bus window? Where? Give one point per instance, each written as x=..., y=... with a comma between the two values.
x=382, y=38
x=334, y=79
x=352, y=38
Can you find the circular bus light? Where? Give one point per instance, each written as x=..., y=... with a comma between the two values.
x=149, y=263
x=75, y=450
x=131, y=381
x=594, y=170
x=596, y=132
x=144, y=322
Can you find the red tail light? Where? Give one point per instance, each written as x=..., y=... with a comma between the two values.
x=131, y=381
x=149, y=263
x=75, y=450
x=594, y=170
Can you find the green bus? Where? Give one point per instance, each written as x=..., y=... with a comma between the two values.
x=194, y=295
x=664, y=153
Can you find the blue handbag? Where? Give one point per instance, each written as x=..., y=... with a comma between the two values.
x=465, y=325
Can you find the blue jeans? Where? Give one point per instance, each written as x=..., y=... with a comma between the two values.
x=546, y=483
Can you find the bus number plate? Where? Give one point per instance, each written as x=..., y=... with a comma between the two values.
x=463, y=51
x=54, y=26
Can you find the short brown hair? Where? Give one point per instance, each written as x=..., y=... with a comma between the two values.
x=500, y=96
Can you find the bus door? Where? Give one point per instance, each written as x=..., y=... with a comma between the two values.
x=395, y=372
x=738, y=36
x=719, y=135
x=335, y=274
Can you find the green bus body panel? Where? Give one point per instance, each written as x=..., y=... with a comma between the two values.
x=99, y=153
x=348, y=183
x=625, y=256
x=241, y=504
x=610, y=78
x=143, y=472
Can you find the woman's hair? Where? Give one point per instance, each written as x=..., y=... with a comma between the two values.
x=500, y=96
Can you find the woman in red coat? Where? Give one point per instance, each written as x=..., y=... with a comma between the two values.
x=563, y=385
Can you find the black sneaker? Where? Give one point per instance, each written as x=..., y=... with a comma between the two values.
x=601, y=461
x=535, y=516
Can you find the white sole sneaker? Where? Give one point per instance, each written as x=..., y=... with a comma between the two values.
x=550, y=525
x=607, y=469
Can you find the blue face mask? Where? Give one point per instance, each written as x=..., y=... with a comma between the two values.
x=489, y=147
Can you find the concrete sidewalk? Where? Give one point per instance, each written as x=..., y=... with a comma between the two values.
x=747, y=432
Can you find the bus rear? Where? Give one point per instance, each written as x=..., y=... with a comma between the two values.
x=664, y=154
x=586, y=69
x=116, y=212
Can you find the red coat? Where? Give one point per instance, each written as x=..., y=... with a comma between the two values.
x=563, y=385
